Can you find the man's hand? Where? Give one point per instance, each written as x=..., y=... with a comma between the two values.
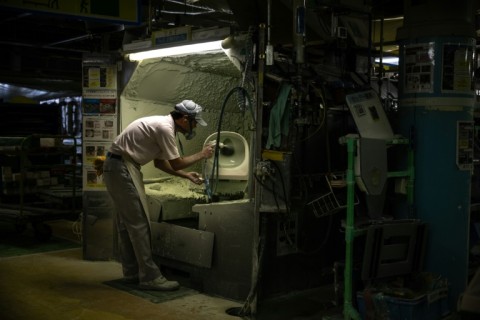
x=195, y=177
x=207, y=152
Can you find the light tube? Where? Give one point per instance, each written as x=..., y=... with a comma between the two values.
x=388, y=60
x=177, y=50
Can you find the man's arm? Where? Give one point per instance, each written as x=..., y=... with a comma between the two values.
x=184, y=162
x=175, y=166
x=165, y=166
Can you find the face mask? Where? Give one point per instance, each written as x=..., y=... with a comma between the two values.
x=190, y=135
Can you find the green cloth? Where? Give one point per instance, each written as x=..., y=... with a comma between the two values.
x=279, y=118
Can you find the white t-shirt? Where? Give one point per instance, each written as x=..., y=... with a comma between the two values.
x=148, y=138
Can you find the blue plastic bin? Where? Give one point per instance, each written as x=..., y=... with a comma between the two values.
x=430, y=306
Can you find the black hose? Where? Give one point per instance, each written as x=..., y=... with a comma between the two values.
x=215, y=167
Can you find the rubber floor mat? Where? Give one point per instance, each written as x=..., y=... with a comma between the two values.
x=151, y=295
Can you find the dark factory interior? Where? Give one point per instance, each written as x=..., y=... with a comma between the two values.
x=342, y=183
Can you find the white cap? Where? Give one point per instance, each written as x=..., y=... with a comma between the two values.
x=192, y=109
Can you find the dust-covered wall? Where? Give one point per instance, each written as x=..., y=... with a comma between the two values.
x=157, y=85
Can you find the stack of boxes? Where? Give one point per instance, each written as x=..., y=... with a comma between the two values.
x=32, y=181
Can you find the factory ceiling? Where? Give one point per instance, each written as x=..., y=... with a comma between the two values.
x=41, y=52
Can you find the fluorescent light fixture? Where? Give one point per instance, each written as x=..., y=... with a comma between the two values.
x=388, y=60
x=177, y=50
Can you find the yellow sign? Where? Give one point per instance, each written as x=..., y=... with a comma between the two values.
x=125, y=11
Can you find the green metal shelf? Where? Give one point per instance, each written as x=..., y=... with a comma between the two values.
x=349, y=311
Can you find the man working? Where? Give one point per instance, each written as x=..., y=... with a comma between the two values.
x=144, y=140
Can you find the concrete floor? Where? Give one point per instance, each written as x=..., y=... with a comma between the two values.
x=61, y=285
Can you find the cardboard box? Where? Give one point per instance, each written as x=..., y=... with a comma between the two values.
x=138, y=45
x=43, y=182
x=7, y=174
x=174, y=35
x=44, y=174
x=47, y=142
x=210, y=33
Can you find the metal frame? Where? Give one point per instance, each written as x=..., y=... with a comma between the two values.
x=349, y=311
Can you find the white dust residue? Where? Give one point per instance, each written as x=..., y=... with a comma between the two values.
x=174, y=188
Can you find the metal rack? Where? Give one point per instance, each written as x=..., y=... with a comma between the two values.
x=349, y=311
x=22, y=198
x=329, y=203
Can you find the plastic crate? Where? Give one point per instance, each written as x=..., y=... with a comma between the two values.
x=431, y=306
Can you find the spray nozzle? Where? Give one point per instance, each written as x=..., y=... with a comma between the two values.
x=226, y=147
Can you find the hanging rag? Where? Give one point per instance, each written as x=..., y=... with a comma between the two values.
x=279, y=118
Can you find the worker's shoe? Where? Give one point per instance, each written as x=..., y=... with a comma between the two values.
x=160, y=284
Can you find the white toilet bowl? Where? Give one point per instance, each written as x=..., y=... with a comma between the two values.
x=233, y=158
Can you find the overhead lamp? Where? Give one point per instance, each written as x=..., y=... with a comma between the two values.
x=202, y=47
x=388, y=60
